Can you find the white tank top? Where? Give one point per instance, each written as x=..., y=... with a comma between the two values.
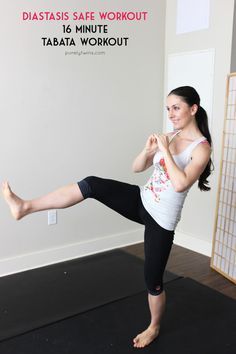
x=159, y=198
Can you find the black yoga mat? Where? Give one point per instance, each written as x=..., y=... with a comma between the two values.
x=41, y=296
x=197, y=320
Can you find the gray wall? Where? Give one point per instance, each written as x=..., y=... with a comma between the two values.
x=233, y=56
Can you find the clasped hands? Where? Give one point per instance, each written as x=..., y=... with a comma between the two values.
x=162, y=142
x=157, y=142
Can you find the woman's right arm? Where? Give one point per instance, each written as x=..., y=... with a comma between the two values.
x=145, y=159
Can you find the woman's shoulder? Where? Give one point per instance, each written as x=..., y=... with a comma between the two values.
x=204, y=143
x=203, y=148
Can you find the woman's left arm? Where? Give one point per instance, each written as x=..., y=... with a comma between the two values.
x=184, y=179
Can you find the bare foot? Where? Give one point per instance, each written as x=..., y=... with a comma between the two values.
x=15, y=203
x=146, y=337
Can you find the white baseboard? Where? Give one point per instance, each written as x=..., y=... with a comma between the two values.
x=51, y=256
x=193, y=243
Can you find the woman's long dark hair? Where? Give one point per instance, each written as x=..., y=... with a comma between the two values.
x=190, y=96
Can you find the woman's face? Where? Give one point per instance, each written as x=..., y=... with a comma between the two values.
x=179, y=112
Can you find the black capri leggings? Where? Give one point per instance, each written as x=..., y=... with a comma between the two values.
x=125, y=199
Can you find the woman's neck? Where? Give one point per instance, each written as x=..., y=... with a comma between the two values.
x=190, y=131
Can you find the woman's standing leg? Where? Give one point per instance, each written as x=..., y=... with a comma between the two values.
x=157, y=308
x=63, y=197
x=158, y=243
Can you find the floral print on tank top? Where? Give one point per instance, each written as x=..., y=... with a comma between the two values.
x=159, y=181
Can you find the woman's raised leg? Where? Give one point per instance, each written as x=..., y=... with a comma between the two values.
x=63, y=197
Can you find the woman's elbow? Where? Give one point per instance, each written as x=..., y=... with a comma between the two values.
x=179, y=188
x=137, y=167
x=135, y=170
x=182, y=184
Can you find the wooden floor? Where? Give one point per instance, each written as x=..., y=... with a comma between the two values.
x=194, y=265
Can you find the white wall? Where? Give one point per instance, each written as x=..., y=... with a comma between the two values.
x=63, y=118
x=196, y=228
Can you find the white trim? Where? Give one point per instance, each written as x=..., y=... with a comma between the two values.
x=80, y=249
x=193, y=243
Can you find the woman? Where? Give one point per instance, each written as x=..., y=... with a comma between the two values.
x=180, y=159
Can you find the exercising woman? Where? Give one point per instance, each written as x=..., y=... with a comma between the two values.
x=180, y=159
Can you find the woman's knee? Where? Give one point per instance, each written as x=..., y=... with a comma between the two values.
x=86, y=186
x=153, y=273
x=154, y=287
